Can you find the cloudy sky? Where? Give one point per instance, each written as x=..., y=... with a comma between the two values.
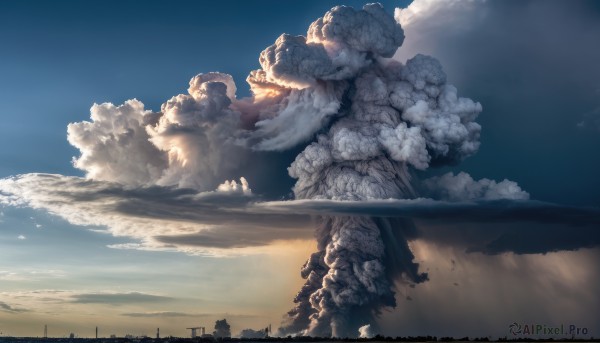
x=178, y=208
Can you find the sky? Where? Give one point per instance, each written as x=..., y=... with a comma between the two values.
x=144, y=230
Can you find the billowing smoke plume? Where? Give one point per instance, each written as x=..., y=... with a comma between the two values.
x=222, y=329
x=115, y=145
x=250, y=333
x=188, y=144
x=367, y=121
x=391, y=118
x=462, y=187
x=365, y=331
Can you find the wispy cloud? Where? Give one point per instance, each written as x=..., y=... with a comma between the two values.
x=30, y=275
x=210, y=223
x=183, y=314
x=117, y=298
x=225, y=223
x=157, y=314
x=59, y=302
x=4, y=307
x=71, y=297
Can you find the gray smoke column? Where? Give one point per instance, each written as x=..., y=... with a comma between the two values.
x=383, y=120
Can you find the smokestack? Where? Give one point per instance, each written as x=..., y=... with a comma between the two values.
x=96, y=332
x=157, y=333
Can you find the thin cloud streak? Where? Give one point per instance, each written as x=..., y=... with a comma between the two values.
x=117, y=298
x=169, y=314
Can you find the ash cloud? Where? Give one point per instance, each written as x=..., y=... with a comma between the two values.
x=395, y=118
x=481, y=226
x=479, y=211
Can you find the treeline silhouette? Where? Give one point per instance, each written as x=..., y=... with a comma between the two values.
x=297, y=339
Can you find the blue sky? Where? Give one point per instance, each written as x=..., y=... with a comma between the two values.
x=172, y=258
